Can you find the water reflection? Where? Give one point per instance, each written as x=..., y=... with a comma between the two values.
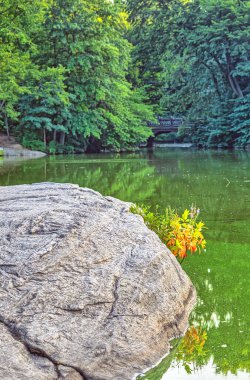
x=206, y=372
x=188, y=352
x=219, y=184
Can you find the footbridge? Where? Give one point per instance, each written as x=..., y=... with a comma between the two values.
x=164, y=125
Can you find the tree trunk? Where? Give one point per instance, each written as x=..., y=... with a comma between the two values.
x=238, y=89
x=232, y=80
x=2, y=103
x=214, y=78
x=6, y=123
x=54, y=136
x=232, y=84
x=150, y=141
x=44, y=138
x=235, y=86
x=226, y=71
x=62, y=138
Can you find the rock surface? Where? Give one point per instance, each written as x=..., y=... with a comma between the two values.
x=12, y=149
x=87, y=291
x=22, y=153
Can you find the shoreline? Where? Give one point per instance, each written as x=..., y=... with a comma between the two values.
x=13, y=152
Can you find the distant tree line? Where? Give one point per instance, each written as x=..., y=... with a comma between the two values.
x=63, y=83
x=86, y=75
x=192, y=56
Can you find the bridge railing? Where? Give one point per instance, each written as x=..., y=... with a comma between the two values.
x=166, y=122
x=172, y=123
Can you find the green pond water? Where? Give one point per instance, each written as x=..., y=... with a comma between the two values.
x=219, y=184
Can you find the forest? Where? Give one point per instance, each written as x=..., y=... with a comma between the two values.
x=87, y=75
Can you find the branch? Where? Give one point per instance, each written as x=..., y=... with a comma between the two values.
x=224, y=72
x=232, y=84
x=236, y=83
x=2, y=104
x=216, y=84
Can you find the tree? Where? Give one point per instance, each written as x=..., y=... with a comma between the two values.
x=148, y=40
x=44, y=110
x=85, y=38
x=16, y=47
x=203, y=50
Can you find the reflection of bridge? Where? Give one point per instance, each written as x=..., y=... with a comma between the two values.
x=164, y=125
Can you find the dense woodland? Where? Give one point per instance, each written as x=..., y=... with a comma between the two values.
x=87, y=75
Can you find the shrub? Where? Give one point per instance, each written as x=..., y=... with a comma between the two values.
x=181, y=234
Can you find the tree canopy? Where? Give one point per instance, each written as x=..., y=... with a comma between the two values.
x=81, y=75
x=64, y=76
x=198, y=64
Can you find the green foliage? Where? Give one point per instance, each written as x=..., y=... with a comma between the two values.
x=46, y=108
x=69, y=75
x=146, y=36
x=66, y=71
x=17, y=19
x=29, y=140
x=168, y=137
x=201, y=49
x=240, y=120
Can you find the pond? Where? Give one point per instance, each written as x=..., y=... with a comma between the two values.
x=216, y=182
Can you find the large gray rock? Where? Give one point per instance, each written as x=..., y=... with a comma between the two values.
x=22, y=153
x=87, y=291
